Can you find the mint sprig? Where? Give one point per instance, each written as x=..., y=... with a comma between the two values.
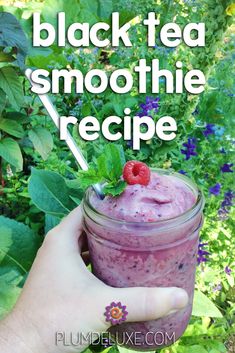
x=108, y=169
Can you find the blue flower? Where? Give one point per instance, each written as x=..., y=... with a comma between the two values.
x=190, y=148
x=150, y=105
x=217, y=288
x=226, y=204
x=219, y=130
x=227, y=270
x=215, y=190
x=181, y=171
x=222, y=150
x=226, y=168
x=209, y=130
x=201, y=255
x=228, y=199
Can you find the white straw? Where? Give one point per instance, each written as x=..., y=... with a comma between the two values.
x=52, y=112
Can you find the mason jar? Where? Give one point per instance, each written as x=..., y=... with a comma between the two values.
x=147, y=254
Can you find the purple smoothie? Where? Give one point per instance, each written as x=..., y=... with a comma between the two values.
x=147, y=237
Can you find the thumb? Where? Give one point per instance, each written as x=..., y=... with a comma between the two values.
x=144, y=304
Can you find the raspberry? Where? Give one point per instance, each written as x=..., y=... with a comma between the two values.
x=135, y=172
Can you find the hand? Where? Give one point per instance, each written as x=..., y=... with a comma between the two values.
x=61, y=295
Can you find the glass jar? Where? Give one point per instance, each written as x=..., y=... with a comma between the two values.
x=147, y=254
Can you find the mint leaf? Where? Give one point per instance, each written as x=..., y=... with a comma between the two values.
x=88, y=178
x=115, y=189
x=110, y=163
x=108, y=170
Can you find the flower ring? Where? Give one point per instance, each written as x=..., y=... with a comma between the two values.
x=116, y=313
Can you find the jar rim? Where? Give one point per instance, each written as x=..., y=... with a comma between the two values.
x=90, y=211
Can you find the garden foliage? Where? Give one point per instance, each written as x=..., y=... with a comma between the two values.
x=39, y=177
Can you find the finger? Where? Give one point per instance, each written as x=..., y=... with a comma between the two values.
x=72, y=223
x=144, y=304
x=67, y=236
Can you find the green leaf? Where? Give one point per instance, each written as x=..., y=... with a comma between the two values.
x=11, y=85
x=115, y=160
x=203, y=306
x=42, y=141
x=196, y=349
x=51, y=222
x=6, y=57
x=52, y=7
x=109, y=168
x=49, y=192
x=5, y=241
x=11, y=127
x=89, y=11
x=12, y=35
x=75, y=189
x=75, y=200
x=9, y=290
x=88, y=178
x=24, y=245
x=10, y=151
x=127, y=16
x=116, y=189
x=2, y=100
x=17, y=116
x=105, y=9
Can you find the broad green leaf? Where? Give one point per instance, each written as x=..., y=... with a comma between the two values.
x=105, y=9
x=89, y=11
x=17, y=116
x=12, y=35
x=53, y=7
x=51, y=222
x=230, y=279
x=126, y=16
x=5, y=241
x=2, y=100
x=49, y=192
x=196, y=349
x=42, y=141
x=203, y=306
x=9, y=290
x=11, y=85
x=11, y=127
x=10, y=151
x=76, y=200
x=24, y=245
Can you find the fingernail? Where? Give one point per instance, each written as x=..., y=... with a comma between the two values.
x=179, y=298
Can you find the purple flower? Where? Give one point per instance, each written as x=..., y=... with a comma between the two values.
x=151, y=104
x=201, y=255
x=215, y=190
x=116, y=313
x=181, y=171
x=222, y=150
x=227, y=270
x=217, y=288
x=209, y=130
x=226, y=204
x=226, y=168
x=228, y=199
x=190, y=148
